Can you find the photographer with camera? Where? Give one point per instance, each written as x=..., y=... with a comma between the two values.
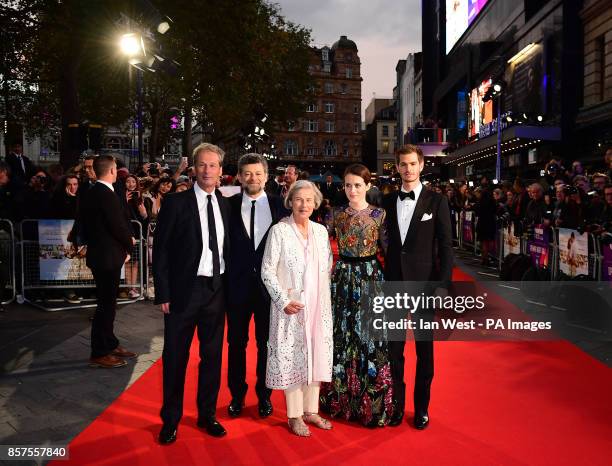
x=36, y=196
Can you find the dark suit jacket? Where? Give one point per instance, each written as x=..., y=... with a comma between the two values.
x=177, y=247
x=244, y=262
x=109, y=236
x=18, y=176
x=426, y=254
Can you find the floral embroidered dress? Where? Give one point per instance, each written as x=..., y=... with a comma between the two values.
x=361, y=386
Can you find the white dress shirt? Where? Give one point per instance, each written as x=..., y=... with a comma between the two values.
x=107, y=184
x=206, y=260
x=263, y=215
x=405, y=210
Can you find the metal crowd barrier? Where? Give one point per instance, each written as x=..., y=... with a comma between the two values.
x=149, y=288
x=46, y=293
x=8, y=276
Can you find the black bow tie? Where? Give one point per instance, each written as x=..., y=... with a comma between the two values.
x=403, y=195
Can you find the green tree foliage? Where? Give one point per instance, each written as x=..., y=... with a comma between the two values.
x=237, y=58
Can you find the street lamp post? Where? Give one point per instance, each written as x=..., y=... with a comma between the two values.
x=139, y=122
x=499, y=140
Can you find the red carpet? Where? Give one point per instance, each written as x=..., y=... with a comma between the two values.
x=504, y=403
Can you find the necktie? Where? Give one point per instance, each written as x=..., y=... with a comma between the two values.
x=403, y=195
x=212, y=242
x=22, y=163
x=252, y=229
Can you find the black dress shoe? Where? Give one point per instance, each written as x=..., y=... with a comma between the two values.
x=396, y=417
x=420, y=422
x=235, y=407
x=265, y=408
x=167, y=435
x=212, y=426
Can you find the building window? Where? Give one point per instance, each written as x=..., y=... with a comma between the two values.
x=385, y=147
x=312, y=151
x=291, y=147
x=325, y=54
x=385, y=130
x=311, y=108
x=327, y=67
x=329, y=126
x=600, y=54
x=345, y=148
x=329, y=107
x=330, y=148
x=349, y=72
x=329, y=88
x=355, y=108
x=311, y=126
x=291, y=126
x=356, y=127
x=343, y=88
x=348, y=57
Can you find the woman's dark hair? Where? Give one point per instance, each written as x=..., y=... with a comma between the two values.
x=155, y=188
x=360, y=170
x=131, y=176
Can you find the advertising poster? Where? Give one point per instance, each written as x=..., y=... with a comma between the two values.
x=459, y=15
x=57, y=258
x=537, y=247
x=607, y=262
x=481, y=113
x=573, y=252
x=468, y=226
x=512, y=244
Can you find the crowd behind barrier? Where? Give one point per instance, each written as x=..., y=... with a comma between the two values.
x=559, y=225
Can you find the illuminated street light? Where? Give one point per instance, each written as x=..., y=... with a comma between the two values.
x=131, y=45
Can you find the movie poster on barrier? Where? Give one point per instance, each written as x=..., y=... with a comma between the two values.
x=58, y=260
x=607, y=262
x=573, y=252
x=468, y=223
x=538, y=246
x=512, y=244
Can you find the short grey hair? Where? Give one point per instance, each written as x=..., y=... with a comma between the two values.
x=252, y=158
x=303, y=184
x=208, y=147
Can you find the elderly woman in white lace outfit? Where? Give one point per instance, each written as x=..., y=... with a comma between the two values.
x=296, y=269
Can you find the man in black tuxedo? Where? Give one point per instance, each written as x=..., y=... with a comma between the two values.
x=420, y=250
x=22, y=168
x=253, y=213
x=189, y=262
x=328, y=189
x=109, y=241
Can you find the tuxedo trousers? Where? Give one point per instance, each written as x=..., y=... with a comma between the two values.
x=424, y=369
x=205, y=312
x=238, y=322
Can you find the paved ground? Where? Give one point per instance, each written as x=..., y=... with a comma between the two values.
x=48, y=394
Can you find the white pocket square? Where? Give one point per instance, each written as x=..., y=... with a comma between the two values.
x=426, y=217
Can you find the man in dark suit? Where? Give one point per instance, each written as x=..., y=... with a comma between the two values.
x=253, y=213
x=22, y=168
x=420, y=250
x=189, y=262
x=328, y=189
x=109, y=241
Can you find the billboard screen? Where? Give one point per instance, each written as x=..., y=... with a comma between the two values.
x=459, y=16
x=480, y=112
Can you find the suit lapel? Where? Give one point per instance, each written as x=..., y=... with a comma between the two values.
x=193, y=204
x=419, y=210
x=224, y=211
x=392, y=225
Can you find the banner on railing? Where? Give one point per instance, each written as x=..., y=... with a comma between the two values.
x=468, y=226
x=538, y=246
x=59, y=259
x=606, y=250
x=573, y=252
x=512, y=244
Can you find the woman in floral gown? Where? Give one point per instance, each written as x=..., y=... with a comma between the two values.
x=361, y=386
